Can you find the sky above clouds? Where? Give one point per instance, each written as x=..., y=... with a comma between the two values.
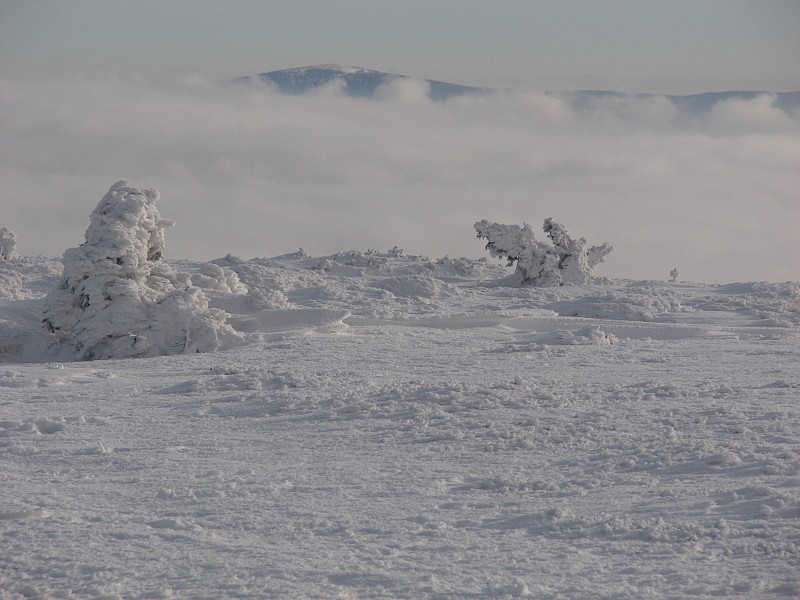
x=680, y=46
x=94, y=92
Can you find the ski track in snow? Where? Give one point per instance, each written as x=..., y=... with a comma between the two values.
x=397, y=427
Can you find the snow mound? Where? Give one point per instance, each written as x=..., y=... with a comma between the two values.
x=462, y=267
x=778, y=304
x=28, y=277
x=639, y=302
x=272, y=321
x=417, y=286
x=267, y=299
x=362, y=261
x=219, y=279
x=588, y=335
x=370, y=283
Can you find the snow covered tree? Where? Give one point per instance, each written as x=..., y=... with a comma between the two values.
x=8, y=244
x=535, y=263
x=575, y=261
x=117, y=299
x=541, y=264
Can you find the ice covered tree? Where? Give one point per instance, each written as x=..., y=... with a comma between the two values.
x=117, y=299
x=575, y=262
x=8, y=244
x=539, y=263
x=536, y=265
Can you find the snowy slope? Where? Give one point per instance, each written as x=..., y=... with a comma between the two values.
x=400, y=427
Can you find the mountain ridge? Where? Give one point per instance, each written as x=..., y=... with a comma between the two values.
x=363, y=82
x=358, y=81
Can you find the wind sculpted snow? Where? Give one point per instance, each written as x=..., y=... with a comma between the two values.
x=401, y=427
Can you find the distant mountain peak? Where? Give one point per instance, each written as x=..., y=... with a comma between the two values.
x=358, y=81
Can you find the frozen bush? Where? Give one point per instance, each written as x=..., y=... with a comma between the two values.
x=575, y=262
x=565, y=261
x=213, y=277
x=461, y=266
x=117, y=299
x=535, y=264
x=267, y=299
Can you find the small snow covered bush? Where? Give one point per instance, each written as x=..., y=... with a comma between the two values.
x=217, y=278
x=461, y=266
x=8, y=244
x=117, y=299
x=259, y=299
x=565, y=261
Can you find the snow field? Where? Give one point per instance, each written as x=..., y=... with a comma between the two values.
x=394, y=427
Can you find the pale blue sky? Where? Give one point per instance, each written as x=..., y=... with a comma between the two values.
x=676, y=46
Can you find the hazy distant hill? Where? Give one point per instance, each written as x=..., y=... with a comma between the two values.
x=358, y=81
x=363, y=82
x=698, y=102
x=693, y=103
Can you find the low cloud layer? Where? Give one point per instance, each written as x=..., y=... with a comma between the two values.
x=252, y=172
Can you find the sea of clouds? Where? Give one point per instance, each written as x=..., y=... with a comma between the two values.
x=252, y=172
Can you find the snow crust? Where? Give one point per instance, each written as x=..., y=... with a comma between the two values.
x=396, y=426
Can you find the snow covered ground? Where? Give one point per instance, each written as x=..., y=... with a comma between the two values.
x=399, y=427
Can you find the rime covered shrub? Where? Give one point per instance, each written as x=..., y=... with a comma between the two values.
x=8, y=244
x=536, y=265
x=216, y=278
x=562, y=261
x=576, y=262
x=117, y=299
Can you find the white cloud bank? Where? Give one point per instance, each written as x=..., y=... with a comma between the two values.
x=257, y=173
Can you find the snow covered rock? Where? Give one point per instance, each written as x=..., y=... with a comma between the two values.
x=8, y=244
x=117, y=299
x=566, y=261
